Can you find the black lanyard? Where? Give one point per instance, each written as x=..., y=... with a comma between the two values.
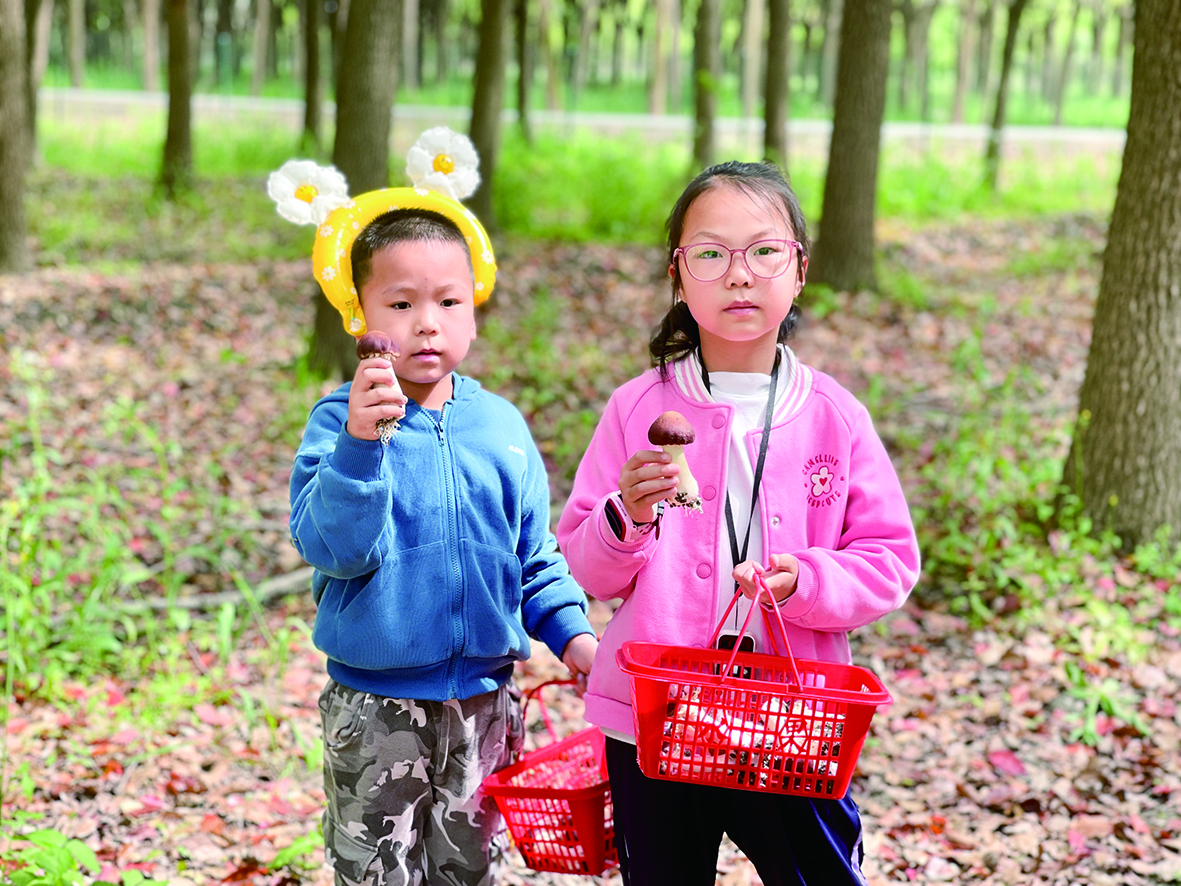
x=740, y=555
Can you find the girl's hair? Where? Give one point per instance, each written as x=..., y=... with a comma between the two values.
x=401, y=226
x=678, y=334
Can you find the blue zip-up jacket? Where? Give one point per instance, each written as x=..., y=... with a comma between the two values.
x=434, y=557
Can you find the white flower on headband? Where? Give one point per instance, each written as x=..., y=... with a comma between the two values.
x=444, y=161
x=305, y=193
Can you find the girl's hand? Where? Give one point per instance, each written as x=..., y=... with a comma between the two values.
x=647, y=478
x=578, y=656
x=373, y=397
x=780, y=576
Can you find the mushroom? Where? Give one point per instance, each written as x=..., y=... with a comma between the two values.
x=378, y=344
x=671, y=432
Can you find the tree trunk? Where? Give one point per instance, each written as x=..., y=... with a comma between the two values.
x=442, y=56
x=262, y=42
x=1099, y=15
x=1063, y=80
x=830, y=51
x=410, y=65
x=1125, y=460
x=524, y=69
x=617, y=48
x=553, y=76
x=777, y=89
x=34, y=67
x=313, y=94
x=661, y=41
x=361, y=151
x=1048, y=57
x=176, y=173
x=488, y=101
x=1123, y=38
x=15, y=137
x=223, y=44
x=588, y=21
x=752, y=55
x=844, y=255
x=675, y=78
x=76, y=42
x=963, y=64
x=992, y=153
x=707, y=71
x=151, y=14
x=984, y=31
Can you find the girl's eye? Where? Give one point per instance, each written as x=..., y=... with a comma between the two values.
x=707, y=253
x=766, y=249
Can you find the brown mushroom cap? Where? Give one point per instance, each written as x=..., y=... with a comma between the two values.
x=376, y=344
x=671, y=429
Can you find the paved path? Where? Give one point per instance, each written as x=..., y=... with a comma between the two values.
x=733, y=133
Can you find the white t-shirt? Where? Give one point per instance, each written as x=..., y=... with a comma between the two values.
x=747, y=392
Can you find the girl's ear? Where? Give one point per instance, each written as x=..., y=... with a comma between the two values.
x=672, y=271
x=803, y=273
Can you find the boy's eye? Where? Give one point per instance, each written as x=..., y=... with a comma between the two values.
x=449, y=302
x=401, y=306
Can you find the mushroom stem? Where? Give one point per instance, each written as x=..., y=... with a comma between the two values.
x=686, y=482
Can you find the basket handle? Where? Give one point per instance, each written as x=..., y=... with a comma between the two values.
x=530, y=693
x=757, y=604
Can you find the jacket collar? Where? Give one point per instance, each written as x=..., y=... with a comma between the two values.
x=795, y=381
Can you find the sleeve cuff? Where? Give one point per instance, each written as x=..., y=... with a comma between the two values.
x=801, y=602
x=358, y=459
x=621, y=525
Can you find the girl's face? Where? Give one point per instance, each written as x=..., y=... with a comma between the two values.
x=739, y=313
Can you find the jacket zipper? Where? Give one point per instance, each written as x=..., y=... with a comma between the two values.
x=452, y=509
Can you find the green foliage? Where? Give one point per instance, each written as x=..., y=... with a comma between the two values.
x=579, y=187
x=52, y=859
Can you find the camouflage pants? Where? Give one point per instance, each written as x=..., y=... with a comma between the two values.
x=402, y=781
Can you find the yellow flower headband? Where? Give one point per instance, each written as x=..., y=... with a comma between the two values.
x=443, y=167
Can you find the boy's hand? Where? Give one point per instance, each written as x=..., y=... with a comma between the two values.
x=374, y=396
x=578, y=656
x=647, y=479
x=780, y=577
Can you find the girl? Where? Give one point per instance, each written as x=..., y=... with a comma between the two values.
x=794, y=485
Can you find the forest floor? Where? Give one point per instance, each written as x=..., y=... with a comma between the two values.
x=997, y=763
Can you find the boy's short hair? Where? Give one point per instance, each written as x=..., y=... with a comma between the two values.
x=402, y=226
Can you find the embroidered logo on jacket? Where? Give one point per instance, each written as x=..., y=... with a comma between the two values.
x=824, y=479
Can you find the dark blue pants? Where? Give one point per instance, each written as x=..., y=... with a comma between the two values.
x=669, y=832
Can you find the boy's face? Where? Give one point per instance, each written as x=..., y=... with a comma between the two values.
x=421, y=294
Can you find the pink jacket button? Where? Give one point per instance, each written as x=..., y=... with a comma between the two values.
x=718, y=421
x=704, y=570
x=708, y=493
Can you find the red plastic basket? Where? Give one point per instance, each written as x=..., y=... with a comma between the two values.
x=748, y=720
x=557, y=803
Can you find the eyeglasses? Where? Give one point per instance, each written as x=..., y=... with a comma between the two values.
x=707, y=262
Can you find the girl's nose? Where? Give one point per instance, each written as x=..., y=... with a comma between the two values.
x=738, y=274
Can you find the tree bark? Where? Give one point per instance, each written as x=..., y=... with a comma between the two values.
x=34, y=62
x=553, y=77
x=707, y=71
x=588, y=21
x=963, y=62
x=830, y=50
x=1125, y=459
x=368, y=81
x=752, y=55
x=661, y=42
x=992, y=153
x=151, y=15
x=984, y=30
x=262, y=42
x=176, y=172
x=410, y=66
x=488, y=102
x=777, y=88
x=15, y=137
x=1123, y=38
x=1064, y=72
x=524, y=69
x=844, y=254
x=313, y=93
x=76, y=42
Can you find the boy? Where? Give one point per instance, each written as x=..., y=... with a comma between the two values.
x=433, y=554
